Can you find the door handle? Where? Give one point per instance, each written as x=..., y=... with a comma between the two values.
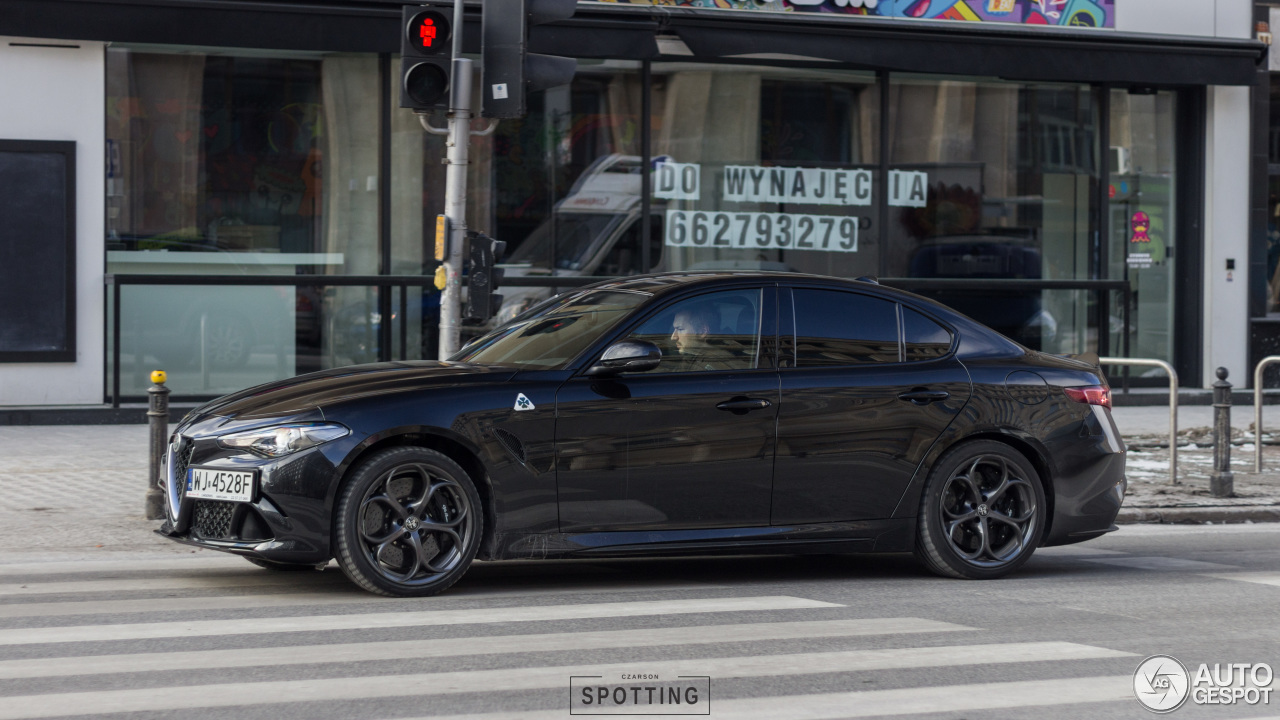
x=924, y=397
x=741, y=406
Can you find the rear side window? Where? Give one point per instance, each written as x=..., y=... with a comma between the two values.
x=842, y=328
x=924, y=338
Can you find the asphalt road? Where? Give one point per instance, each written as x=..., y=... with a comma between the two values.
x=142, y=633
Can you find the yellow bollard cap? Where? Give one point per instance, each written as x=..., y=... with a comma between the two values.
x=158, y=377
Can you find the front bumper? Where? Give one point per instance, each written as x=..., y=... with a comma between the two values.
x=288, y=521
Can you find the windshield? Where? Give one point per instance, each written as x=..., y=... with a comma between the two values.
x=575, y=234
x=550, y=335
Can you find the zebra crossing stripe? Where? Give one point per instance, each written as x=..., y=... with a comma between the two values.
x=1259, y=578
x=483, y=645
x=950, y=699
x=171, y=699
x=212, y=580
x=281, y=597
x=319, y=623
x=199, y=562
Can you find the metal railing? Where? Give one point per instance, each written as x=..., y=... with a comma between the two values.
x=1173, y=403
x=116, y=281
x=1257, y=409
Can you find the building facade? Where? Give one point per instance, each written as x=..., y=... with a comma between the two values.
x=250, y=203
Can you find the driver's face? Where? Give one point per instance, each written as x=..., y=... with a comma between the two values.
x=684, y=333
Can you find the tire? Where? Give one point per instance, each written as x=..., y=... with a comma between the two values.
x=408, y=523
x=982, y=512
x=283, y=567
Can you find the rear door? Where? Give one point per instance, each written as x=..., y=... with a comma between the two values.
x=860, y=407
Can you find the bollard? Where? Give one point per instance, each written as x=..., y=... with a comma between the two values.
x=1221, y=481
x=158, y=417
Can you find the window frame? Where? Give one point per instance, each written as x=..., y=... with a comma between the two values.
x=67, y=149
x=766, y=346
x=788, y=359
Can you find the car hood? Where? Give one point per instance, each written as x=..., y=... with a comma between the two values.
x=312, y=392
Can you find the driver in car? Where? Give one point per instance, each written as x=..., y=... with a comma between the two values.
x=689, y=331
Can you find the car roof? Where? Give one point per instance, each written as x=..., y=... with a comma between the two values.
x=663, y=283
x=976, y=338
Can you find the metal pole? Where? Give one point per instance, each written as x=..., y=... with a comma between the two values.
x=1173, y=404
x=455, y=204
x=1257, y=409
x=158, y=418
x=1221, y=481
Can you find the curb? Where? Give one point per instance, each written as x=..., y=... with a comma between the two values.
x=1200, y=515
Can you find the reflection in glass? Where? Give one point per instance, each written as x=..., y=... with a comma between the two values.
x=552, y=334
x=777, y=168
x=1142, y=219
x=1010, y=172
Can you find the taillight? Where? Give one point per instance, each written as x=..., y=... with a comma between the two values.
x=1092, y=394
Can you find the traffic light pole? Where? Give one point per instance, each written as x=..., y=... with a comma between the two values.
x=455, y=192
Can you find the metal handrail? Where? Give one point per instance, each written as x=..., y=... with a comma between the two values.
x=1257, y=409
x=1173, y=403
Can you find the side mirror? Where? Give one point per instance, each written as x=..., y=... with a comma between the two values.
x=627, y=356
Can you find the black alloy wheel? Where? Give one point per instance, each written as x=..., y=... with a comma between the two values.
x=408, y=523
x=982, y=512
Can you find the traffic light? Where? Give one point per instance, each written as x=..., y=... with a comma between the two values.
x=509, y=70
x=426, y=58
x=484, y=277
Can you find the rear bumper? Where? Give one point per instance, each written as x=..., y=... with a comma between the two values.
x=1089, y=488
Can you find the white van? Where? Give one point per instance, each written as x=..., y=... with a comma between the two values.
x=595, y=230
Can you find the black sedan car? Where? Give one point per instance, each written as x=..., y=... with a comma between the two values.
x=665, y=414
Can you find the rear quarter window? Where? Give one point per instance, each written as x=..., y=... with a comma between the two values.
x=923, y=338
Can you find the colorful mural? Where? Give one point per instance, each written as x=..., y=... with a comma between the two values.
x=1070, y=13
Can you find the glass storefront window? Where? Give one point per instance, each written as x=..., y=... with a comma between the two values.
x=561, y=185
x=230, y=163
x=1010, y=170
x=766, y=168
x=1142, y=220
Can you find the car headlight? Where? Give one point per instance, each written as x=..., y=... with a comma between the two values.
x=280, y=440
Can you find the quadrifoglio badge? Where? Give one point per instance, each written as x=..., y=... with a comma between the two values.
x=639, y=693
x=1163, y=684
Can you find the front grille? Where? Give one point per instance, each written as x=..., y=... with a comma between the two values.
x=213, y=519
x=182, y=458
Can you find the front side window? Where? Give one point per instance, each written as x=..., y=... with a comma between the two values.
x=835, y=328
x=717, y=331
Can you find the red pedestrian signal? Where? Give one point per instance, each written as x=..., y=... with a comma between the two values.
x=427, y=31
x=426, y=50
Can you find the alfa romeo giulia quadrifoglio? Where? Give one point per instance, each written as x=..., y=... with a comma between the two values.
x=685, y=413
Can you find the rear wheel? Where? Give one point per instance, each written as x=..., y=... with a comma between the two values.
x=982, y=512
x=408, y=524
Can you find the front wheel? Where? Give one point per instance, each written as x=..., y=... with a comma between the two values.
x=982, y=512
x=408, y=523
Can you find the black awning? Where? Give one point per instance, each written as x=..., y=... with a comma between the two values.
x=625, y=31
x=1014, y=52
x=319, y=26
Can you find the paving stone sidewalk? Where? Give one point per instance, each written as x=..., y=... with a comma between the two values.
x=79, y=488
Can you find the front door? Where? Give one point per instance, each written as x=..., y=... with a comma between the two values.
x=688, y=445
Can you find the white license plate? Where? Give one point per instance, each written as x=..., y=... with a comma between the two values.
x=220, y=484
